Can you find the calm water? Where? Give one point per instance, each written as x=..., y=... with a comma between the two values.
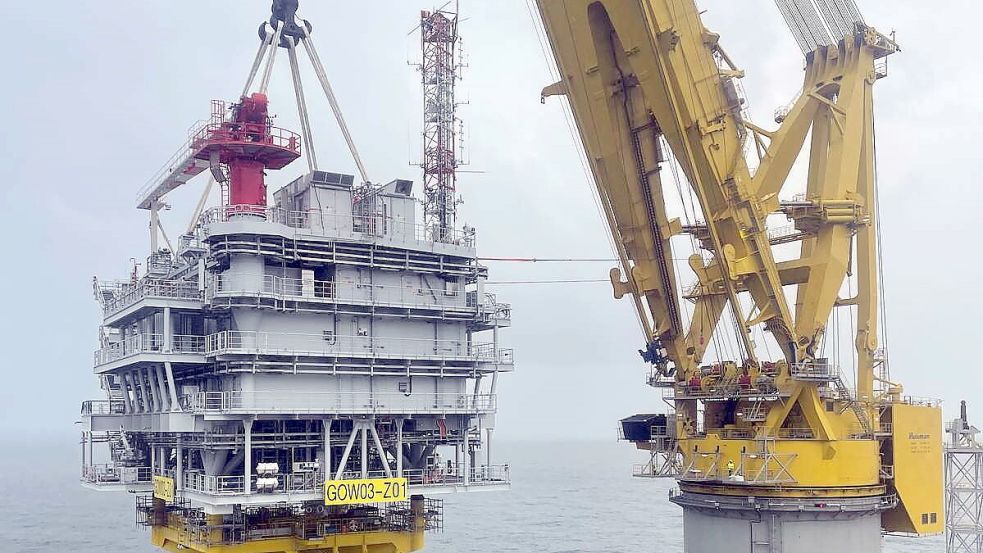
x=567, y=497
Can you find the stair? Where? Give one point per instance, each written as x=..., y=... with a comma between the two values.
x=756, y=412
x=845, y=394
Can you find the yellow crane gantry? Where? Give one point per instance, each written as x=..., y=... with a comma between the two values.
x=643, y=76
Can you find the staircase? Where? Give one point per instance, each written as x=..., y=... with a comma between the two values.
x=844, y=394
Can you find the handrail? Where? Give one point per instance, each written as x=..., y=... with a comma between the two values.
x=252, y=342
x=182, y=153
x=922, y=401
x=148, y=343
x=340, y=402
x=126, y=294
x=278, y=287
x=815, y=371
x=360, y=226
x=445, y=474
x=108, y=473
x=103, y=407
x=272, y=214
x=205, y=132
x=313, y=482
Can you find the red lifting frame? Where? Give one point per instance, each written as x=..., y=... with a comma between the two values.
x=248, y=144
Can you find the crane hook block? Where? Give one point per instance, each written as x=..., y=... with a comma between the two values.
x=285, y=12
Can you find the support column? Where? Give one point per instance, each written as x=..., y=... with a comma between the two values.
x=91, y=457
x=348, y=451
x=153, y=460
x=494, y=382
x=365, y=452
x=125, y=390
x=467, y=452
x=172, y=386
x=148, y=377
x=138, y=397
x=164, y=398
x=326, y=462
x=168, y=331
x=488, y=434
x=179, y=468
x=148, y=405
x=399, y=447
x=382, y=452
x=247, y=424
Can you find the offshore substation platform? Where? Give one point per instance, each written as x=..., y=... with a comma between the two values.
x=774, y=449
x=297, y=375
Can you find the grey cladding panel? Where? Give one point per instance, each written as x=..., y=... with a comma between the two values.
x=816, y=23
x=332, y=179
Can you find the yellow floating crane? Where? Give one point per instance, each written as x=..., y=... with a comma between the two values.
x=776, y=453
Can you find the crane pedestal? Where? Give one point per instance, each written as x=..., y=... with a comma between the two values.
x=781, y=524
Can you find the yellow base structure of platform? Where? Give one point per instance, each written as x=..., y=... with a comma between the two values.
x=176, y=541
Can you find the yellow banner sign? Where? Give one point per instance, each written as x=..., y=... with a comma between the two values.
x=372, y=490
x=164, y=488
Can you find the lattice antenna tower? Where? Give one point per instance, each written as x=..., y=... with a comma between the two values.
x=440, y=70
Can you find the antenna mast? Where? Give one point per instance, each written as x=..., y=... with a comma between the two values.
x=440, y=71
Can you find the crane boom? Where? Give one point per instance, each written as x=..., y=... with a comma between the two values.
x=645, y=75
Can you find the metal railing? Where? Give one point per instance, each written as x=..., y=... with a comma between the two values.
x=292, y=483
x=148, y=343
x=173, y=163
x=330, y=344
x=277, y=287
x=313, y=482
x=723, y=390
x=389, y=227
x=214, y=485
x=302, y=522
x=272, y=286
x=701, y=466
x=247, y=133
x=817, y=372
x=368, y=227
x=733, y=433
x=923, y=401
x=795, y=434
x=450, y=474
x=330, y=402
x=103, y=407
x=108, y=473
x=766, y=467
x=271, y=214
x=203, y=132
x=125, y=294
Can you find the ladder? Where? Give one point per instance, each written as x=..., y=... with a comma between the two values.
x=845, y=394
x=756, y=412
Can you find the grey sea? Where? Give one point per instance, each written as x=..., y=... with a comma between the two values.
x=567, y=497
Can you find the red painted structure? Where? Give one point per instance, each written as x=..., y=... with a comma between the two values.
x=248, y=144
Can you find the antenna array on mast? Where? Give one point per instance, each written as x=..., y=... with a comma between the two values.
x=440, y=70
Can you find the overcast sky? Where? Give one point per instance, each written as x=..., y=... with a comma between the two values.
x=96, y=95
